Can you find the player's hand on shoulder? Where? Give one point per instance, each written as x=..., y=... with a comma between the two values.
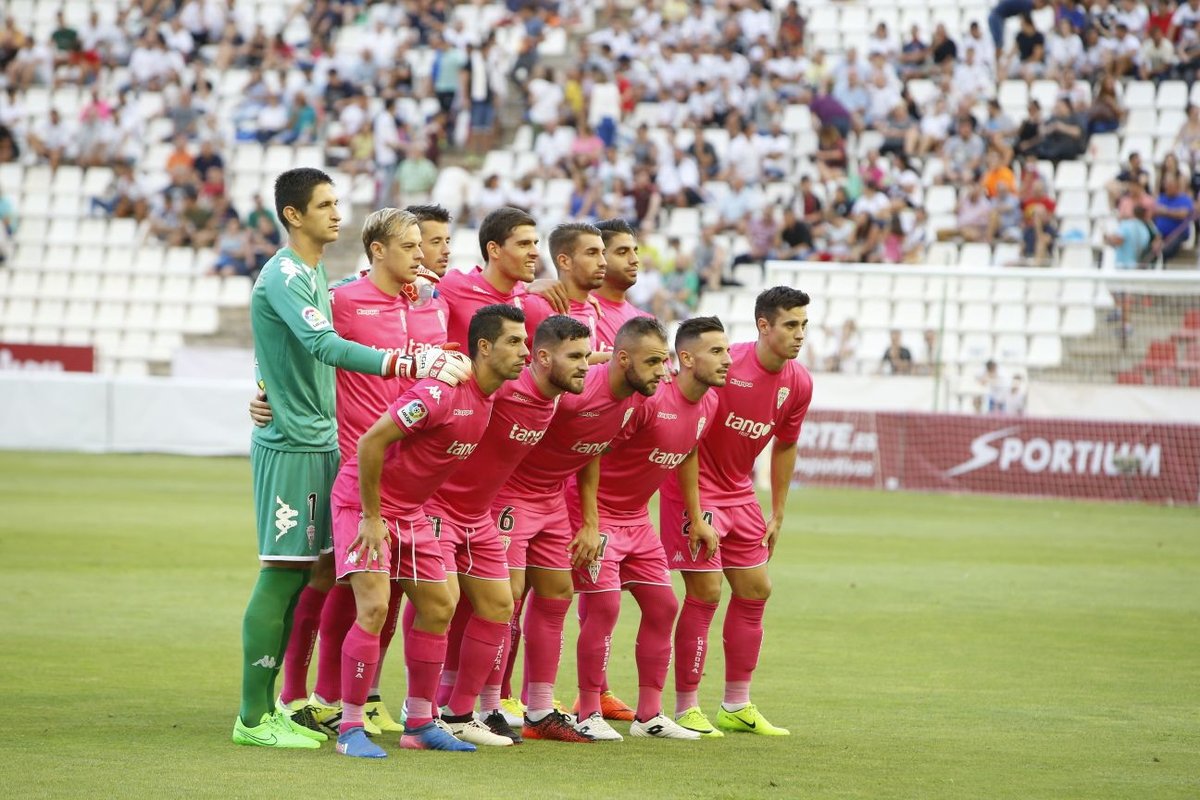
x=600, y=358
x=260, y=410
x=553, y=292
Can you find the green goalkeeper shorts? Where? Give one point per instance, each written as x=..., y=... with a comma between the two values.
x=291, y=502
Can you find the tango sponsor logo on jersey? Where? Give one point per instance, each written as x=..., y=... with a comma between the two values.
x=315, y=319
x=1063, y=456
x=782, y=396
x=748, y=427
x=589, y=448
x=463, y=412
x=285, y=518
x=666, y=460
x=525, y=435
x=742, y=384
x=461, y=450
x=435, y=393
x=413, y=412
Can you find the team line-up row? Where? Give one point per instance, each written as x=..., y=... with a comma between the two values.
x=493, y=483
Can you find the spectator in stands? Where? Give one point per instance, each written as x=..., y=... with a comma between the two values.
x=914, y=55
x=416, y=176
x=1031, y=132
x=646, y=200
x=993, y=389
x=932, y=359
x=809, y=204
x=1005, y=9
x=1027, y=58
x=985, y=50
x=942, y=48
x=1017, y=398
x=935, y=127
x=974, y=214
x=1133, y=240
x=1106, y=113
x=1006, y=220
x=845, y=349
x=999, y=129
x=795, y=237
x=1158, y=58
x=830, y=156
x=232, y=250
x=53, y=140
x=897, y=359
x=1174, y=210
x=1187, y=140
x=1132, y=173
x=962, y=154
x=997, y=173
x=762, y=231
x=1040, y=227
x=1063, y=135
x=1188, y=50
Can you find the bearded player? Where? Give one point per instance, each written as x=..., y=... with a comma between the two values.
x=663, y=432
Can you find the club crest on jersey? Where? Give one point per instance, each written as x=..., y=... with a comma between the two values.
x=594, y=571
x=413, y=412
x=506, y=541
x=435, y=393
x=700, y=426
x=628, y=414
x=779, y=398
x=315, y=319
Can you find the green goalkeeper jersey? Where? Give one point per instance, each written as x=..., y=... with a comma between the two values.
x=295, y=353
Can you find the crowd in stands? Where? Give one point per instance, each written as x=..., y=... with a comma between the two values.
x=725, y=124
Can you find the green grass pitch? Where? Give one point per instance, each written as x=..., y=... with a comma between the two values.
x=918, y=646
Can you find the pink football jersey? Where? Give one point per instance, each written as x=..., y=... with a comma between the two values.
x=537, y=309
x=615, y=315
x=581, y=430
x=662, y=433
x=363, y=313
x=444, y=425
x=752, y=406
x=520, y=416
x=467, y=292
x=427, y=324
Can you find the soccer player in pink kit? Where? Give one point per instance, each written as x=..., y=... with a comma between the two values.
x=578, y=254
x=767, y=393
x=472, y=545
x=532, y=508
x=621, y=271
x=663, y=432
x=381, y=532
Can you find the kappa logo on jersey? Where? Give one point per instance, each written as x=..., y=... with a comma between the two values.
x=290, y=269
x=628, y=414
x=748, y=427
x=700, y=426
x=315, y=319
x=435, y=393
x=742, y=384
x=667, y=415
x=367, y=312
x=285, y=518
x=463, y=412
x=779, y=398
x=413, y=412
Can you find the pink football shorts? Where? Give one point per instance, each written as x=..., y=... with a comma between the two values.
x=741, y=527
x=628, y=554
x=474, y=550
x=413, y=552
x=536, y=532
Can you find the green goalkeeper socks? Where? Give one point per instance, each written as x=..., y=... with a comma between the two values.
x=265, y=629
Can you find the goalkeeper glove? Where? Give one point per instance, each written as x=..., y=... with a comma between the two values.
x=448, y=366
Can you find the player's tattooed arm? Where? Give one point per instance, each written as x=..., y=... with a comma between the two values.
x=783, y=466
x=701, y=534
x=260, y=410
x=586, y=545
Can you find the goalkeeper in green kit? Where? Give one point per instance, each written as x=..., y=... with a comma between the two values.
x=294, y=458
